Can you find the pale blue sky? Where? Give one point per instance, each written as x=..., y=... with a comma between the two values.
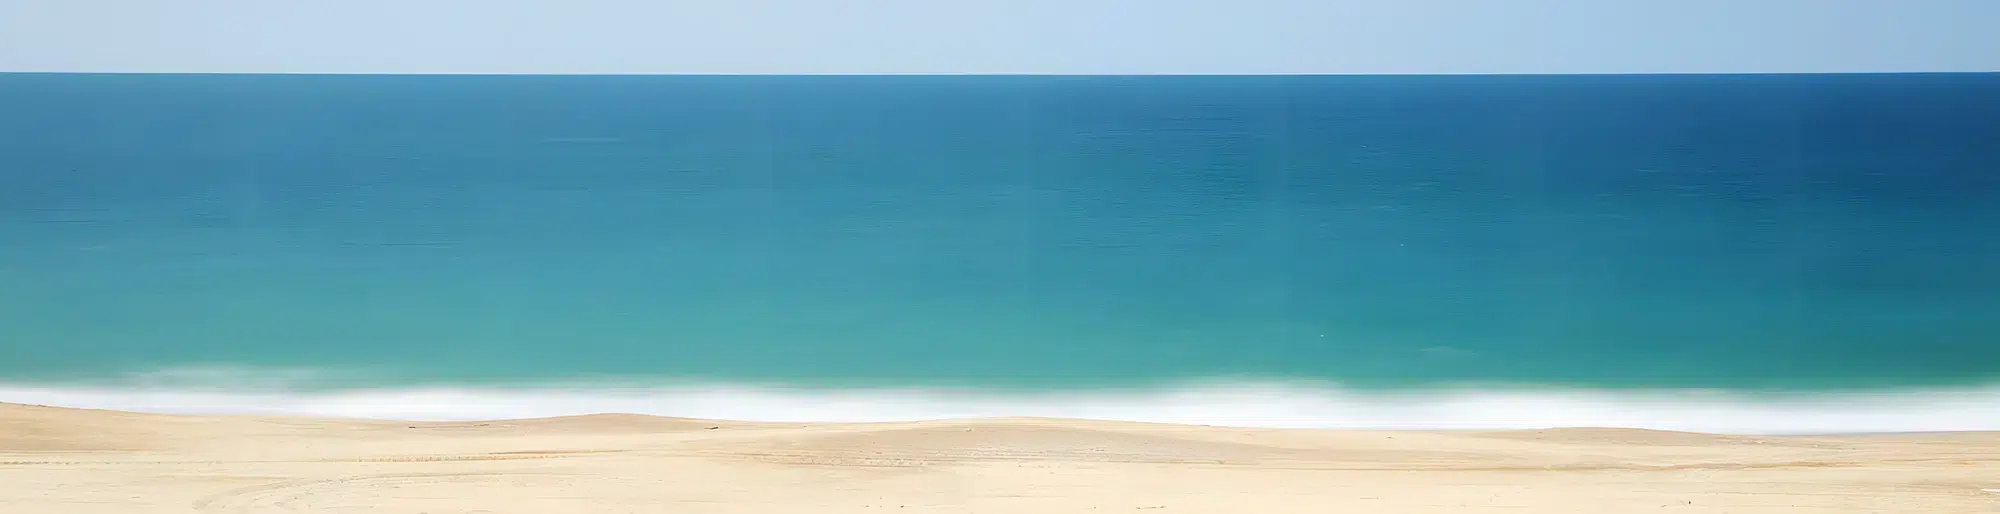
x=999, y=36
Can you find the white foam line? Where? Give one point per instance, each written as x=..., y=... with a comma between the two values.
x=1248, y=405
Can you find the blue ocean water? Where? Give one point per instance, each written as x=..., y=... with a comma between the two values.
x=1727, y=252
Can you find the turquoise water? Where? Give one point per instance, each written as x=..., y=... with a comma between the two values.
x=1323, y=251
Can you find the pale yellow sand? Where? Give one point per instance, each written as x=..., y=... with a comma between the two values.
x=80, y=462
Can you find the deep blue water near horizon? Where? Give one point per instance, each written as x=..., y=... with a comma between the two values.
x=1735, y=232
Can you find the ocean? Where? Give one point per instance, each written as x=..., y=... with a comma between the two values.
x=1731, y=253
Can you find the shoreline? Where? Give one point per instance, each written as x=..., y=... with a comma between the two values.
x=87, y=461
x=1222, y=404
x=637, y=417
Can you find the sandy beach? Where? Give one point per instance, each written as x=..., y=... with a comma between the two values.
x=56, y=460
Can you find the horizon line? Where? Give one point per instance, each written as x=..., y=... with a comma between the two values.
x=997, y=74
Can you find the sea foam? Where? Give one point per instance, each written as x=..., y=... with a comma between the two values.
x=1222, y=403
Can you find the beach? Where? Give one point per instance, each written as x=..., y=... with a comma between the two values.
x=1272, y=293
x=71, y=461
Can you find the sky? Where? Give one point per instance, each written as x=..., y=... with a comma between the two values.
x=1000, y=36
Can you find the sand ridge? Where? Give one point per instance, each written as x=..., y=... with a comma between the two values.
x=57, y=460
